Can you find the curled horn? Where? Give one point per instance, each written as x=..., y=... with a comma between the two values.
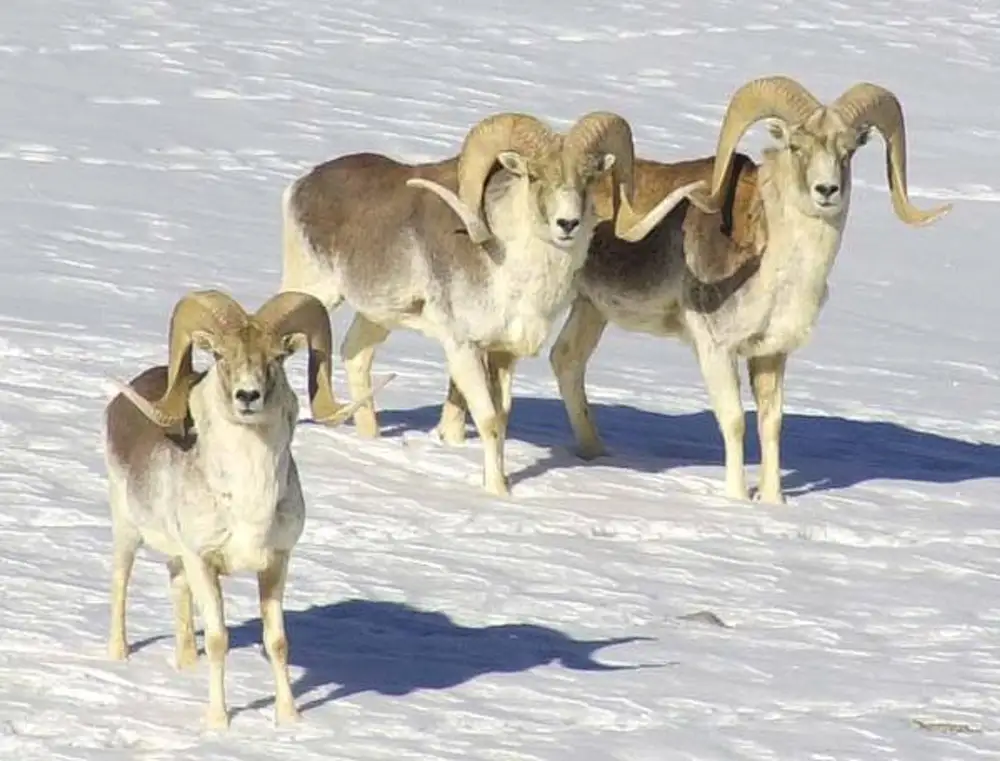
x=290, y=314
x=491, y=136
x=606, y=132
x=764, y=98
x=865, y=104
x=293, y=313
x=199, y=312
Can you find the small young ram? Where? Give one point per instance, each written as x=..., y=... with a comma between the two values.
x=479, y=251
x=737, y=272
x=200, y=468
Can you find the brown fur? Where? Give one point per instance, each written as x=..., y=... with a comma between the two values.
x=736, y=235
x=131, y=435
x=361, y=203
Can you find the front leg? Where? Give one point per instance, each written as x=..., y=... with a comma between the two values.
x=185, y=649
x=500, y=366
x=569, y=356
x=207, y=592
x=271, y=587
x=468, y=368
x=767, y=378
x=718, y=367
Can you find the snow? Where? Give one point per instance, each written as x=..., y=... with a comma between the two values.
x=619, y=609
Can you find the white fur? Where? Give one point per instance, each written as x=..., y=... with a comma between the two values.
x=775, y=311
x=229, y=504
x=770, y=316
x=530, y=281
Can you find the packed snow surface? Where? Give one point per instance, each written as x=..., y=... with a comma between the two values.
x=617, y=609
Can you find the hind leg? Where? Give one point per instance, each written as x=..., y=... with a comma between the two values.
x=358, y=351
x=125, y=542
x=454, y=412
x=569, y=356
x=126, y=545
x=185, y=649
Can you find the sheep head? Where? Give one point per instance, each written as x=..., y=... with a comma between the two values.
x=817, y=142
x=249, y=352
x=558, y=169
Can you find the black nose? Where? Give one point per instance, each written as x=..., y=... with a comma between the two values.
x=568, y=225
x=247, y=397
x=827, y=190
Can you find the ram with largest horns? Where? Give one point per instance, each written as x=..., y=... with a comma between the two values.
x=739, y=269
x=479, y=251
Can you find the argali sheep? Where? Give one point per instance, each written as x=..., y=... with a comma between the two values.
x=478, y=251
x=200, y=468
x=740, y=271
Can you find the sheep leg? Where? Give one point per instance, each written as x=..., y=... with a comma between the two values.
x=500, y=369
x=185, y=649
x=207, y=591
x=767, y=378
x=126, y=544
x=358, y=351
x=569, y=356
x=271, y=588
x=468, y=368
x=451, y=426
x=722, y=379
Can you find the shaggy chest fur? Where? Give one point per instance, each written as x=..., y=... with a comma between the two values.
x=781, y=303
x=224, y=498
x=526, y=294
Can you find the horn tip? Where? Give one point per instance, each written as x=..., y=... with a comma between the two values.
x=929, y=217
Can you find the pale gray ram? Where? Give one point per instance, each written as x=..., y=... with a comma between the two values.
x=200, y=468
x=486, y=284
x=739, y=272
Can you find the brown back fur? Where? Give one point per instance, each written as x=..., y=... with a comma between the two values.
x=735, y=232
x=131, y=436
x=360, y=204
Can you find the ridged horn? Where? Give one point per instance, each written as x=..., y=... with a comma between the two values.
x=602, y=132
x=210, y=311
x=292, y=313
x=497, y=133
x=764, y=98
x=866, y=104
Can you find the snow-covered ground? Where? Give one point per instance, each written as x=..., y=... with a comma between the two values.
x=620, y=609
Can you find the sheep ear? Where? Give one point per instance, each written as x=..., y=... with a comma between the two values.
x=604, y=163
x=513, y=162
x=205, y=341
x=778, y=131
x=293, y=342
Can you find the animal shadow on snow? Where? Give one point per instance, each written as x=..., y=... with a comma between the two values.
x=818, y=453
x=358, y=646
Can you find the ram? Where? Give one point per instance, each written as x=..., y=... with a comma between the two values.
x=737, y=272
x=750, y=280
x=200, y=469
x=484, y=271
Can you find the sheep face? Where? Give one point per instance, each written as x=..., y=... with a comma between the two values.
x=249, y=363
x=818, y=153
x=560, y=207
